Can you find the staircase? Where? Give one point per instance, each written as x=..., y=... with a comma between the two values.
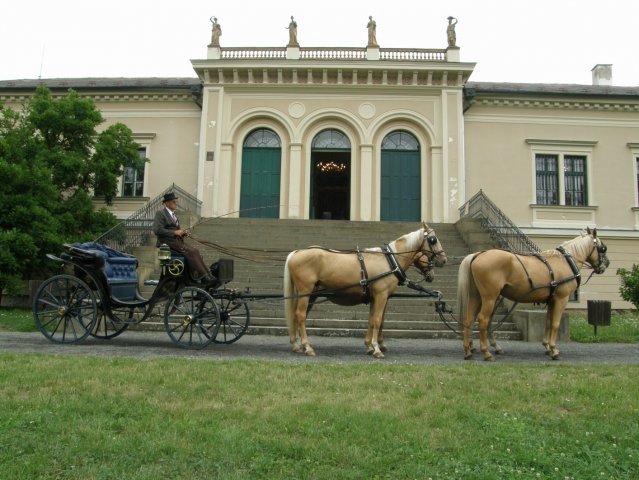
x=268, y=242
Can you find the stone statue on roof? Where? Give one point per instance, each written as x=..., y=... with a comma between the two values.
x=216, y=33
x=372, y=32
x=450, y=32
x=292, y=33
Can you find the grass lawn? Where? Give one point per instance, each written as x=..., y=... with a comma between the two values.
x=95, y=418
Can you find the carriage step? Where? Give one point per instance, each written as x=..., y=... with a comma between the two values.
x=152, y=283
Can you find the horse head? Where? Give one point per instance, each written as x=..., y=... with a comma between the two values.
x=597, y=258
x=432, y=249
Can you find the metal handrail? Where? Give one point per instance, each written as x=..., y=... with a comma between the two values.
x=500, y=228
x=137, y=230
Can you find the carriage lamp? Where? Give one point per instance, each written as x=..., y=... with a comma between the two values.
x=164, y=253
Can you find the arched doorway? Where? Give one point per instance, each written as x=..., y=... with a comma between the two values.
x=261, y=165
x=400, y=177
x=330, y=176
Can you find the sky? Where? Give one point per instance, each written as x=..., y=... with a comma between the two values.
x=540, y=41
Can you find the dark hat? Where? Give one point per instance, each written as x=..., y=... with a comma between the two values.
x=169, y=196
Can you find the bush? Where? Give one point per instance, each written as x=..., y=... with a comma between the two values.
x=629, y=288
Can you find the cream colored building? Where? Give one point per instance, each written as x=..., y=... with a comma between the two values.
x=295, y=132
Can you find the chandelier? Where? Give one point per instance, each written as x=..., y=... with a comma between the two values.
x=331, y=167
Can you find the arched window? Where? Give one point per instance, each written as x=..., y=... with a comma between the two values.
x=262, y=138
x=331, y=139
x=400, y=140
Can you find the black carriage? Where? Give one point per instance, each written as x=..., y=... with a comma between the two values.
x=98, y=296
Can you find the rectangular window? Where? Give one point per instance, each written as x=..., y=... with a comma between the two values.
x=133, y=179
x=575, y=180
x=554, y=189
x=547, y=180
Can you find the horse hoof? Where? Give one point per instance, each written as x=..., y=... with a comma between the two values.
x=555, y=356
x=297, y=349
x=383, y=348
x=499, y=351
x=468, y=357
x=310, y=353
x=378, y=355
x=489, y=358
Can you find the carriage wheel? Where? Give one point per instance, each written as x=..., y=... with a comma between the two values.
x=107, y=327
x=65, y=309
x=192, y=318
x=234, y=319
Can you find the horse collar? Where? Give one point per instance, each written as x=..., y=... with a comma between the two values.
x=394, y=266
x=575, y=271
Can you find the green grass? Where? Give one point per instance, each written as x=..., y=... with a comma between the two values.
x=624, y=328
x=17, y=320
x=94, y=418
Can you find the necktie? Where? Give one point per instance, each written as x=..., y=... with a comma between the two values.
x=175, y=220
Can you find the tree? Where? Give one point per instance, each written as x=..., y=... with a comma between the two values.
x=629, y=288
x=52, y=161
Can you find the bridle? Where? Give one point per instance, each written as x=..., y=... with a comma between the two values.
x=430, y=239
x=602, y=259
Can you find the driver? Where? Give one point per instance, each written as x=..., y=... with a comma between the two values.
x=167, y=228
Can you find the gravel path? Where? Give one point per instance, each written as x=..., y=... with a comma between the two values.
x=150, y=345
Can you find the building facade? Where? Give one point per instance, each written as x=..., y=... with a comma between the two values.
x=374, y=134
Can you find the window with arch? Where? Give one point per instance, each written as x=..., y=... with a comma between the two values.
x=262, y=138
x=400, y=140
x=331, y=139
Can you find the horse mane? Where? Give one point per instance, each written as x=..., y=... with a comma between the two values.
x=577, y=246
x=412, y=240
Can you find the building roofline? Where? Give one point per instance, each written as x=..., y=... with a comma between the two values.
x=551, y=89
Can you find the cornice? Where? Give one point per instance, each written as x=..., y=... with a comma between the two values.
x=108, y=97
x=603, y=104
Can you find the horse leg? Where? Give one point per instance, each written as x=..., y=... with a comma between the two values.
x=380, y=339
x=546, y=341
x=483, y=319
x=471, y=312
x=300, y=321
x=493, y=343
x=375, y=320
x=555, y=310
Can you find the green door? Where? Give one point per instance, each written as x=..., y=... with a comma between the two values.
x=400, y=186
x=260, y=189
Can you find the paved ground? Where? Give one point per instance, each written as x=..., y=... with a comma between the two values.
x=148, y=345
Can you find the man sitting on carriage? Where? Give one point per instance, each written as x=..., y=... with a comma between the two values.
x=166, y=227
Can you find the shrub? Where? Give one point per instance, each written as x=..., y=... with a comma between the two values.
x=629, y=288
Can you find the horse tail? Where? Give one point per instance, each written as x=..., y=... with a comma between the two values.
x=289, y=301
x=465, y=282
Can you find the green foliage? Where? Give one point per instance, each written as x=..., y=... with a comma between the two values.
x=629, y=288
x=52, y=161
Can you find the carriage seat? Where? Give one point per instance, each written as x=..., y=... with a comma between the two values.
x=119, y=268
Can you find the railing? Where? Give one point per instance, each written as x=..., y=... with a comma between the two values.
x=138, y=228
x=333, y=53
x=501, y=229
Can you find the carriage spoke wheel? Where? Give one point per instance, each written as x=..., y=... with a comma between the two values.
x=192, y=318
x=110, y=326
x=65, y=309
x=234, y=319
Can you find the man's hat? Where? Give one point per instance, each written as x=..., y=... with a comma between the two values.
x=169, y=196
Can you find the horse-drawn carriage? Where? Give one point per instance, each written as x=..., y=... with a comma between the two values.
x=98, y=296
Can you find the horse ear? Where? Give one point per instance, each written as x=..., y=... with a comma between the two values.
x=588, y=230
x=594, y=233
x=424, y=225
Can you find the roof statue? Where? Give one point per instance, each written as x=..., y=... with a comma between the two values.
x=216, y=33
x=372, y=32
x=292, y=33
x=450, y=32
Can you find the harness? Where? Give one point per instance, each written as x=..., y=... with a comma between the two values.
x=552, y=286
x=395, y=269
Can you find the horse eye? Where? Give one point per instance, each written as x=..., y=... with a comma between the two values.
x=432, y=240
x=603, y=249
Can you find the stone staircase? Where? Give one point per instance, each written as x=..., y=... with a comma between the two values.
x=266, y=243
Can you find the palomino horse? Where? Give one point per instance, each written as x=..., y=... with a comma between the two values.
x=549, y=277
x=354, y=277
